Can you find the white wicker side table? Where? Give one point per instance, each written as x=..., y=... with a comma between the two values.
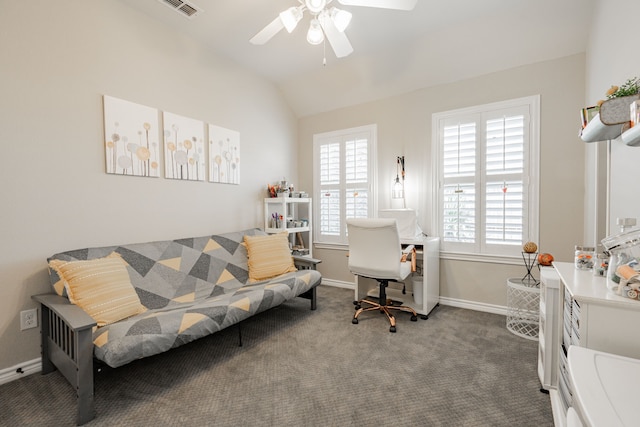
x=523, y=308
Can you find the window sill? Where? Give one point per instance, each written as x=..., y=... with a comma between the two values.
x=456, y=256
x=494, y=259
x=331, y=246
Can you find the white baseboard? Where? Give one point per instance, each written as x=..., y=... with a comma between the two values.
x=21, y=370
x=339, y=284
x=454, y=302
x=474, y=305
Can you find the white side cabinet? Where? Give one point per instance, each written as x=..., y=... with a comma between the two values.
x=594, y=318
x=293, y=215
x=428, y=263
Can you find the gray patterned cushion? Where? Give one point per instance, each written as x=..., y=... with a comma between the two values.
x=192, y=288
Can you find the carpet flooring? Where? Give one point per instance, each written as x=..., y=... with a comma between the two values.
x=299, y=367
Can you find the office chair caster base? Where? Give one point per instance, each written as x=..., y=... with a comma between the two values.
x=414, y=318
x=392, y=328
x=354, y=321
x=424, y=316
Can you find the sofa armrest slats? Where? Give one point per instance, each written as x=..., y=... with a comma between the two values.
x=67, y=344
x=74, y=316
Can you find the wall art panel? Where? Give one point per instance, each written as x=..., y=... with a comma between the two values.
x=183, y=147
x=224, y=155
x=131, y=138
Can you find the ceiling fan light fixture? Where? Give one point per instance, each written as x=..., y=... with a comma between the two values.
x=341, y=18
x=315, y=6
x=315, y=34
x=290, y=18
x=329, y=23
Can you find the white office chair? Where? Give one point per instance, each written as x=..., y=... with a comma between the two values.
x=375, y=253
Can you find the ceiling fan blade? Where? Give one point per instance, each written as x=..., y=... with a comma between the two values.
x=383, y=4
x=338, y=41
x=267, y=32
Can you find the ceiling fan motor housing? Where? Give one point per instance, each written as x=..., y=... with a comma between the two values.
x=315, y=6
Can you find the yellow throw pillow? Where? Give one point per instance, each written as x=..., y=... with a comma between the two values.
x=101, y=287
x=269, y=256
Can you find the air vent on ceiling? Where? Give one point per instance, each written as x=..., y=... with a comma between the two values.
x=186, y=9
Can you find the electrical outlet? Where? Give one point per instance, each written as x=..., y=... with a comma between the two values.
x=28, y=319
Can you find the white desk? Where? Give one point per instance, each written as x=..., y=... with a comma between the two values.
x=428, y=252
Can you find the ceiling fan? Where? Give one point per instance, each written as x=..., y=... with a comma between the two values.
x=329, y=22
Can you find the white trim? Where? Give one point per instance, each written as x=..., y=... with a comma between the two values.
x=339, y=284
x=473, y=305
x=557, y=408
x=534, y=168
x=28, y=368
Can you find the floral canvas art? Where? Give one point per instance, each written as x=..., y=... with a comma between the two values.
x=131, y=138
x=183, y=148
x=224, y=155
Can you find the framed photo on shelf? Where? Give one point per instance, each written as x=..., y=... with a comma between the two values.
x=589, y=113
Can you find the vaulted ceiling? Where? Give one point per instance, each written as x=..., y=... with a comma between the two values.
x=440, y=41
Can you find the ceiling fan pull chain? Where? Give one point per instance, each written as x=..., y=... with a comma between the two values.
x=324, y=52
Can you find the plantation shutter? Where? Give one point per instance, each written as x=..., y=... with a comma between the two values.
x=484, y=192
x=504, y=188
x=459, y=172
x=357, y=178
x=330, y=195
x=343, y=164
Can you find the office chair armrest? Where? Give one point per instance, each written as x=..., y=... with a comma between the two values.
x=411, y=249
x=408, y=249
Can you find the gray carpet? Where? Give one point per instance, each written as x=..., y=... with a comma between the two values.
x=313, y=368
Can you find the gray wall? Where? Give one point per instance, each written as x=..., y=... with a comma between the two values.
x=404, y=128
x=58, y=59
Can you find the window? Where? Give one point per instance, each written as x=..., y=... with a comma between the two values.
x=343, y=178
x=487, y=178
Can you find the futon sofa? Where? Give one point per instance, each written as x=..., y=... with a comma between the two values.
x=184, y=289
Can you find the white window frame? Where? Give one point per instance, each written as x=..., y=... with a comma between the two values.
x=370, y=133
x=479, y=251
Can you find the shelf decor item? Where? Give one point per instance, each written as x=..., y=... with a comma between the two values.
x=530, y=247
x=588, y=114
x=630, y=87
x=613, y=115
x=530, y=261
x=584, y=257
x=545, y=259
x=530, y=258
x=623, y=272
